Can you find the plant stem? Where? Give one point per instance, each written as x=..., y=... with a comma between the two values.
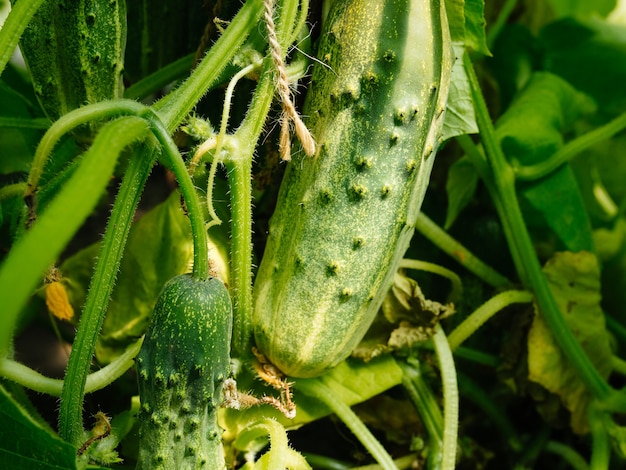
x=450, y=399
x=109, y=144
x=69, y=122
x=12, y=190
x=566, y=453
x=240, y=176
x=319, y=390
x=29, y=378
x=174, y=107
x=483, y=313
x=618, y=365
x=571, y=149
x=601, y=446
x=477, y=357
x=176, y=164
x=160, y=78
x=20, y=15
x=455, y=280
x=501, y=184
x=454, y=249
x=427, y=409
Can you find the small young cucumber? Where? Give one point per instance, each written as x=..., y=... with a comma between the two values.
x=182, y=365
x=345, y=217
x=75, y=53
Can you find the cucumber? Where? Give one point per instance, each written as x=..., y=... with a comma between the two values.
x=345, y=217
x=75, y=53
x=182, y=365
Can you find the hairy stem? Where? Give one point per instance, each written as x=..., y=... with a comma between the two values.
x=42, y=244
x=29, y=378
x=175, y=162
x=240, y=176
x=108, y=143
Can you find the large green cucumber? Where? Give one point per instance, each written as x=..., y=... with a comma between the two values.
x=345, y=216
x=182, y=365
x=75, y=52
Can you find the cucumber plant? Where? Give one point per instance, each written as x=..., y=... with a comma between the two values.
x=345, y=216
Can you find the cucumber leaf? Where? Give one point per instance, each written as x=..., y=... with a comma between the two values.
x=460, y=118
x=475, y=37
x=574, y=279
x=24, y=444
x=467, y=24
x=531, y=131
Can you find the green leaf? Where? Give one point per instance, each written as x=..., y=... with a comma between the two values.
x=467, y=24
x=475, y=37
x=460, y=188
x=460, y=118
x=574, y=279
x=591, y=55
x=531, y=131
x=456, y=19
x=24, y=444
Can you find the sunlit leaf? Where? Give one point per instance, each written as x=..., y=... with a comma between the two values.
x=456, y=19
x=475, y=37
x=25, y=445
x=574, y=280
x=467, y=24
x=460, y=118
